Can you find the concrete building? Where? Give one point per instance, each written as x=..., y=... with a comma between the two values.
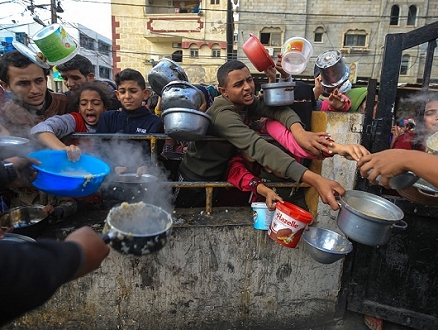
x=145, y=32
x=190, y=32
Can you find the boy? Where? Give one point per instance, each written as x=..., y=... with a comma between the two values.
x=77, y=72
x=207, y=160
x=134, y=118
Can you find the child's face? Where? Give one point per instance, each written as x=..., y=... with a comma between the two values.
x=431, y=116
x=130, y=94
x=91, y=106
x=239, y=89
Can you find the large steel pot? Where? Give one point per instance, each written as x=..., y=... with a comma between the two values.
x=163, y=73
x=185, y=124
x=333, y=70
x=181, y=94
x=278, y=94
x=137, y=228
x=26, y=220
x=367, y=218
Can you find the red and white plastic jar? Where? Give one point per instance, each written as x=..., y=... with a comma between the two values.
x=288, y=224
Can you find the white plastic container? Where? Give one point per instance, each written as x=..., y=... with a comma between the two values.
x=296, y=54
x=262, y=215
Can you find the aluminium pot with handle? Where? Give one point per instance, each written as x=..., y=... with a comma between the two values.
x=137, y=228
x=367, y=218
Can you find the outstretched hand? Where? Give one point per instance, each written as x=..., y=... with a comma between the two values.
x=313, y=143
x=327, y=189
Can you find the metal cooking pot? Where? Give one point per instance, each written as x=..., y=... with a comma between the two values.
x=129, y=187
x=137, y=229
x=278, y=94
x=367, y=218
x=185, y=124
x=17, y=238
x=163, y=73
x=181, y=94
x=333, y=70
x=22, y=216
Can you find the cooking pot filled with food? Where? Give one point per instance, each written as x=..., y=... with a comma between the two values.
x=137, y=228
x=367, y=218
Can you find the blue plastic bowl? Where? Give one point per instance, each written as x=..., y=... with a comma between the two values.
x=59, y=176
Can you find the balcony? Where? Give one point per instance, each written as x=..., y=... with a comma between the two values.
x=172, y=18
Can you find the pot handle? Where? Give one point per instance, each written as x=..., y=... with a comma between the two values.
x=401, y=224
x=431, y=194
x=338, y=198
x=107, y=238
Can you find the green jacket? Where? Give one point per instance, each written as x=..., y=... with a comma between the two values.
x=208, y=160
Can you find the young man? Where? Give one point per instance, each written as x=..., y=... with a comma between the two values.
x=208, y=160
x=78, y=71
x=31, y=101
x=134, y=118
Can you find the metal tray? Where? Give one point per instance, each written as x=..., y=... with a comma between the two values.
x=12, y=141
x=132, y=178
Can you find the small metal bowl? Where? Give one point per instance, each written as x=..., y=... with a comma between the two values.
x=22, y=216
x=326, y=246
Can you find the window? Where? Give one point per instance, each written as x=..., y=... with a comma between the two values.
x=356, y=38
x=395, y=13
x=412, y=15
x=103, y=47
x=104, y=72
x=194, y=52
x=318, y=34
x=271, y=37
x=176, y=44
x=86, y=41
x=214, y=2
x=216, y=52
x=404, y=67
x=177, y=56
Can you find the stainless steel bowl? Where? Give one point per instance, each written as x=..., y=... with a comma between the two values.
x=22, y=216
x=326, y=246
x=181, y=94
x=163, y=73
x=278, y=94
x=17, y=238
x=185, y=124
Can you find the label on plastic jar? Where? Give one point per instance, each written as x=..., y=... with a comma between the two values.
x=285, y=227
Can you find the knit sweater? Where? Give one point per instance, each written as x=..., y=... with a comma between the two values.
x=207, y=160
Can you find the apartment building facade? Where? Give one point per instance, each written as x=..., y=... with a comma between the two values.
x=145, y=31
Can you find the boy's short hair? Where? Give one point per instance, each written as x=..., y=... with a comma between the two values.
x=101, y=88
x=130, y=74
x=226, y=68
x=15, y=59
x=78, y=62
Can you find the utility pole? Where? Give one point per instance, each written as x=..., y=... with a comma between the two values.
x=54, y=17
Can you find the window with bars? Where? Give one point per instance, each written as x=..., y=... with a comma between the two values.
x=317, y=37
x=270, y=38
x=356, y=38
x=194, y=52
x=404, y=67
x=86, y=42
x=216, y=52
x=214, y=2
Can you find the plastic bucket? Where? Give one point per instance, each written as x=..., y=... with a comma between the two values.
x=262, y=215
x=56, y=44
x=288, y=224
x=296, y=54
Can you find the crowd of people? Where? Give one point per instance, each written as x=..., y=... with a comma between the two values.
x=242, y=156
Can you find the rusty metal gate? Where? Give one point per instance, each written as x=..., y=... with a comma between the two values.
x=397, y=282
